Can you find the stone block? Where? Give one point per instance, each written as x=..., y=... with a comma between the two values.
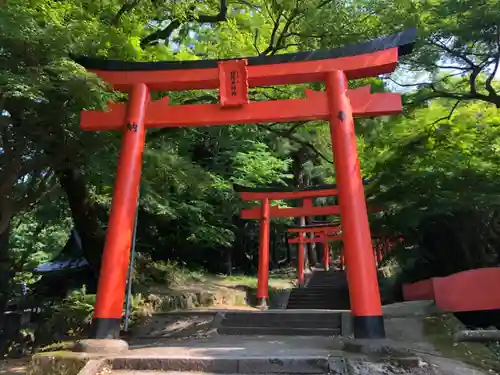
x=101, y=346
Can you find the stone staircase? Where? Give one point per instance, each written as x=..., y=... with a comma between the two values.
x=281, y=322
x=325, y=290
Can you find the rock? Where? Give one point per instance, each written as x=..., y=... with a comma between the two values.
x=410, y=308
x=380, y=348
x=101, y=346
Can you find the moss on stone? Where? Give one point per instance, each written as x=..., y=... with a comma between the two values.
x=57, y=363
x=440, y=331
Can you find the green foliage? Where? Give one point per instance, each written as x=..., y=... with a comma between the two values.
x=66, y=320
x=259, y=166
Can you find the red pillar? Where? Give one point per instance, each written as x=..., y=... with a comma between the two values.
x=115, y=258
x=300, y=260
x=326, y=255
x=361, y=272
x=263, y=271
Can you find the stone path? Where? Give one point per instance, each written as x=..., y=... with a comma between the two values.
x=294, y=355
x=239, y=346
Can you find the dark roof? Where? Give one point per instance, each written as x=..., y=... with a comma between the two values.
x=404, y=41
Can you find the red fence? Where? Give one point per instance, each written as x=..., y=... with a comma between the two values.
x=472, y=290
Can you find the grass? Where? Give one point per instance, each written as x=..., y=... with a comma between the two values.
x=275, y=282
x=440, y=331
x=176, y=287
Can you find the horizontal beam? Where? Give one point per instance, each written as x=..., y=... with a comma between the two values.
x=319, y=229
x=361, y=60
x=278, y=188
x=255, y=213
x=287, y=189
x=258, y=196
x=315, y=239
x=159, y=114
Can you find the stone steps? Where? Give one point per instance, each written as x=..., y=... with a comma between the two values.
x=153, y=372
x=222, y=365
x=272, y=318
x=278, y=331
x=285, y=323
x=325, y=290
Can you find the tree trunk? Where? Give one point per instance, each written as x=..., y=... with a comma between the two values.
x=274, y=248
x=86, y=215
x=239, y=258
x=288, y=250
x=5, y=287
x=311, y=249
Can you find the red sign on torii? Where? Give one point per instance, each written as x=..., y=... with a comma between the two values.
x=338, y=105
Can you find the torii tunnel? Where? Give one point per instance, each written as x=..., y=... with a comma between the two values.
x=265, y=212
x=338, y=105
x=361, y=273
x=322, y=233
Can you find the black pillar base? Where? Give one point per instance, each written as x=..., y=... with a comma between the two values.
x=369, y=327
x=106, y=328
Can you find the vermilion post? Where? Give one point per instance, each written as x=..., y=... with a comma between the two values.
x=263, y=271
x=326, y=255
x=115, y=259
x=300, y=260
x=364, y=293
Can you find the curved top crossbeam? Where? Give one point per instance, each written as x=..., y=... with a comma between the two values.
x=284, y=192
x=361, y=60
x=279, y=189
x=313, y=226
x=403, y=41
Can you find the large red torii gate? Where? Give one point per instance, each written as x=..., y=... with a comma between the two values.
x=233, y=77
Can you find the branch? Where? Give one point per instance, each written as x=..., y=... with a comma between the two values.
x=271, y=47
x=472, y=80
x=407, y=84
x=454, y=53
x=274, y=47
x=297, y=140
x=255, y=39
x=293, y=128
x=448, y=117
x=164, y=34
x=301, y=35
x=125, y=8
x=459, y=96
x=490, y=78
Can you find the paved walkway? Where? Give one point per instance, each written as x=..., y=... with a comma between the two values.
x=239, y=346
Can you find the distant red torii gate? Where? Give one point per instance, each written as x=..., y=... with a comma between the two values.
x=265, y=212
x=338, y=105
x=324, y=233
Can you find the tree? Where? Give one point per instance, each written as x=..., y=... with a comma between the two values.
x=457, y=39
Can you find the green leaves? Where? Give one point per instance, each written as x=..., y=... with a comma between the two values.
x=259, y=165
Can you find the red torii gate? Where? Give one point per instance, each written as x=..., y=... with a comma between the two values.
x=324, y=233
x=265, y=212
x=233, y=78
